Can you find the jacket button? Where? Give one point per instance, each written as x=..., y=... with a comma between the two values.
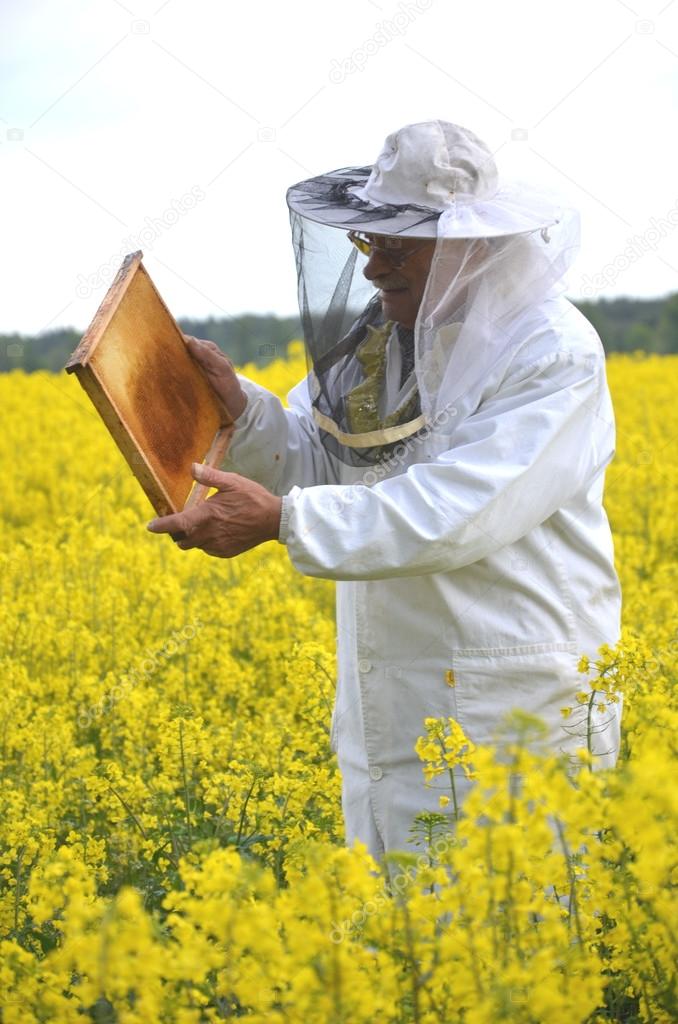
x=364, y=665
x=376, y=773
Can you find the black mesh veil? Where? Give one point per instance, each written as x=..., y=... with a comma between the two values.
x=340, y=309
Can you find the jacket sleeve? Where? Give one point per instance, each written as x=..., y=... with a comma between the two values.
x=275, y=446
x=528, y=450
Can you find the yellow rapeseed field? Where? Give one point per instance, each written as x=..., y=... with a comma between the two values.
x=171, y=844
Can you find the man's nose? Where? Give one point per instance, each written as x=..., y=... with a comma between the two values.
x=377, y=265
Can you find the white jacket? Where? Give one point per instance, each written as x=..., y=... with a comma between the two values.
x=484, y=550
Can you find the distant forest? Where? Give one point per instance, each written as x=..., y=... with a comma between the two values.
x=624, y=325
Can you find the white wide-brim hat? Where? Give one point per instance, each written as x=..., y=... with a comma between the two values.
x=431, y=179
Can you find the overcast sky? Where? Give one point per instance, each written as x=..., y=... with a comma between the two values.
x=177, y=127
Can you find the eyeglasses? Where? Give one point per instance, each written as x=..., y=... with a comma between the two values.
x=392, y=251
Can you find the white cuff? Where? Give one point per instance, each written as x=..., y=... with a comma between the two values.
x=284, y=527
x=250, y=393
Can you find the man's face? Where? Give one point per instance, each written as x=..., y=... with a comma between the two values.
x=401, y=289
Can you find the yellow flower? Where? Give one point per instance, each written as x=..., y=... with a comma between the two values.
x=154, y=734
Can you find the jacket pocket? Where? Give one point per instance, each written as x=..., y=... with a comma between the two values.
x=539, y=679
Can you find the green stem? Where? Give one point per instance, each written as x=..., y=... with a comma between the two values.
x=187, y=800
x=454, y=794
x=416, y=981
x=491, y=907
x=129, y=811
x=17, y=888
x=336, y=964
x=243, y=811
x=450, y=772
x=572, y=878
x=589, y=728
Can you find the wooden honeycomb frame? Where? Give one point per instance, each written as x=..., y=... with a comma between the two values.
x=154, y=399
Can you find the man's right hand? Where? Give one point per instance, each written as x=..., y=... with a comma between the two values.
x=221, y=374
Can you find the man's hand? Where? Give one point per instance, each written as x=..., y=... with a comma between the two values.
x=220, y=373
x=241, y=515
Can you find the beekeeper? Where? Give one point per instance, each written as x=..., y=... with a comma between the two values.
x=443, y=460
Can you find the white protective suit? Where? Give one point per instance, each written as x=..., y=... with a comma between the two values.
x=484, y=550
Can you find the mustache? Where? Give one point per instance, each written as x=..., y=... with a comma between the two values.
x=389, y=282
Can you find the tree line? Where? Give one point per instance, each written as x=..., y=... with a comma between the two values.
x=624, y=325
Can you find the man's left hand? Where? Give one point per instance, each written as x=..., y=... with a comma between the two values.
x=241, y=515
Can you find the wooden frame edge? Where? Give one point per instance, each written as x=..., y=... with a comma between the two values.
x=104, y=314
